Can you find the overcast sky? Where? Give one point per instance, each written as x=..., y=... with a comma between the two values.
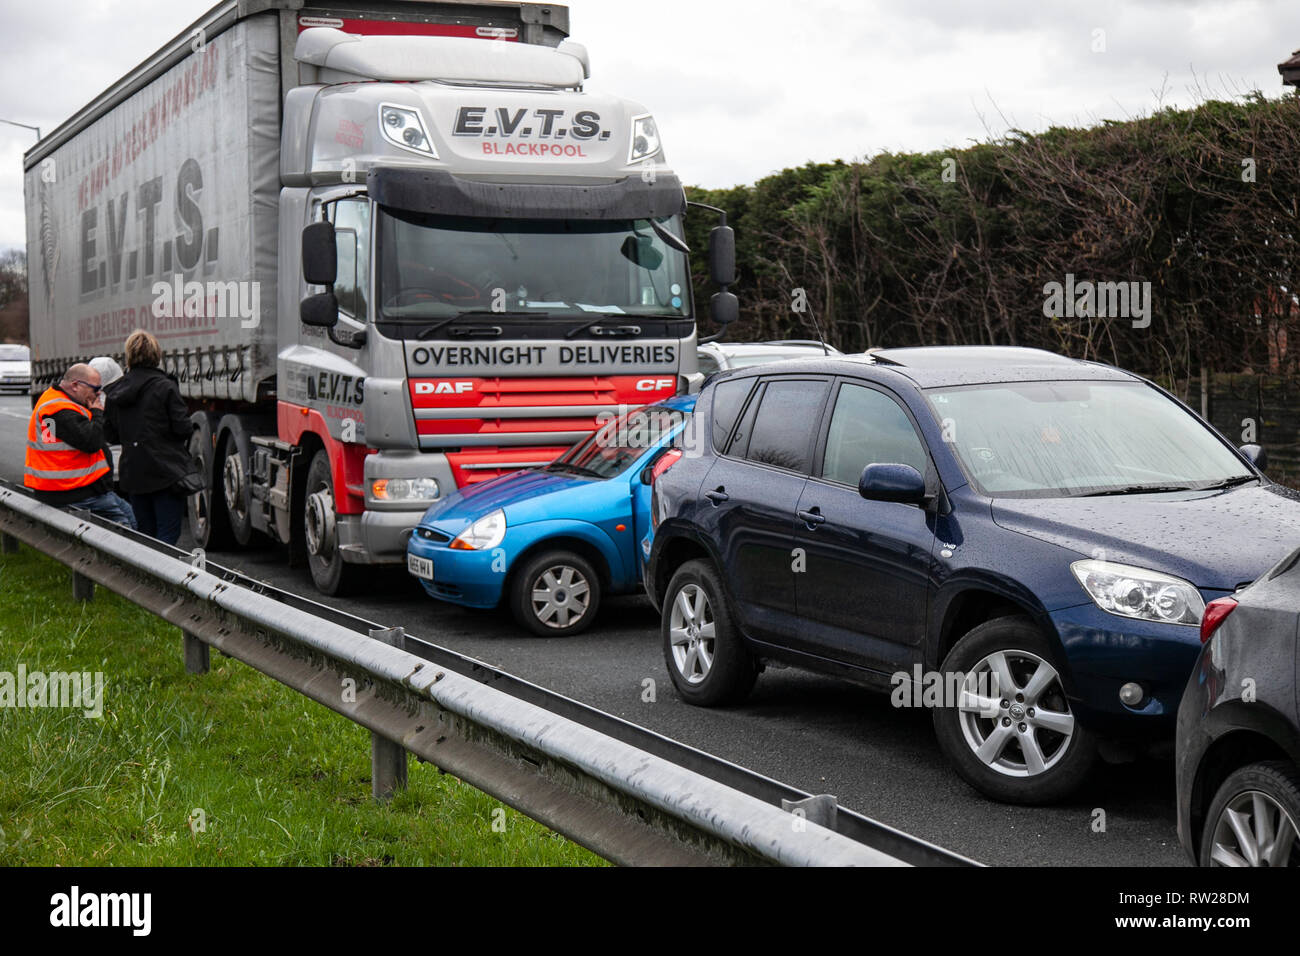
x=741, y=89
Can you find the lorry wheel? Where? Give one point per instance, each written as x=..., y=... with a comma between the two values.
x=209, y=523
x=331, y=574
x=1011, y=734
x=236, y=492
x=556, y=594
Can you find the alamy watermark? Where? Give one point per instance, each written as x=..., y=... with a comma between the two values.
x=979, y=691
x=76, y=690
x=216, y=300
x=1099, y=300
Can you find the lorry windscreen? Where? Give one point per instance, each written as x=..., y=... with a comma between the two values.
x=439, y=267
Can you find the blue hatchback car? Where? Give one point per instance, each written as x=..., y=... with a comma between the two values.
x=551, y=541
x=1022, y=542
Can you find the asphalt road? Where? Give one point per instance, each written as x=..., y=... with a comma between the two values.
x=818, y=734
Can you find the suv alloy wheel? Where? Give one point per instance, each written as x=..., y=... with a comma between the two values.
x=1022, y=744
x=707, y=661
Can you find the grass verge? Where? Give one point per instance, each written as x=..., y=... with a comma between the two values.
x=227, y=768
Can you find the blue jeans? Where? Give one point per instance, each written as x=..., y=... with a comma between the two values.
x=110, y=506
x=159, y=514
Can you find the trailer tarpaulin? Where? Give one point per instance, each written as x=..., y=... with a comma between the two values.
x=161, y=215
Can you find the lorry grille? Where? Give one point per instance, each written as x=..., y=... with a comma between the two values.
x=489, y=426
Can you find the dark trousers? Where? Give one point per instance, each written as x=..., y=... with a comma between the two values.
x=159, y=514
x=107, y=505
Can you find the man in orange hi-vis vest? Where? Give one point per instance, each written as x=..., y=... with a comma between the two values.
x=65, y=464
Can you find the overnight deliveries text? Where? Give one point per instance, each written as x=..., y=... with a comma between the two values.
x=460, y=355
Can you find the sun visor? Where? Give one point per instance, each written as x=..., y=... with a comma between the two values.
x=439, y=192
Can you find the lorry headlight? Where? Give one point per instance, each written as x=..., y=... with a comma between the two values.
x=405, y=128
x=1139, y=593
x=645, y=138
x=486, y=532
x=404, y=489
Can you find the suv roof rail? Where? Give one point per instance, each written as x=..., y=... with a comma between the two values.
x=813, y=342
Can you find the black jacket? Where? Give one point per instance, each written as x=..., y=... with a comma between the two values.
x=84, y=434
x=144, y=413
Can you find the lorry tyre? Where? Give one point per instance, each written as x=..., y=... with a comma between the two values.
x=556, y=594
x=236, y=492
x=330, y=573
x=1011, y=734
x=206, y=509
x=707, y=659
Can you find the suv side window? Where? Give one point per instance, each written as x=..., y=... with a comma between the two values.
x=786, y=423
x=728, y=399
x=868, y=427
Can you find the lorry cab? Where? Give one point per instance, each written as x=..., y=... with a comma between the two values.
x=508, y=267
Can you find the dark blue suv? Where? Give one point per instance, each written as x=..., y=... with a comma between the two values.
x=1023, y=542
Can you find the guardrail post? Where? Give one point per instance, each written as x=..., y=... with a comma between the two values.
x=196, y=654
x=83, y=588
x=820, y=809
x=8, y=544
x=387, y=759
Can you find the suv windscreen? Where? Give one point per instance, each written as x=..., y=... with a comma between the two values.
x=786, y=423
x=1060, y=439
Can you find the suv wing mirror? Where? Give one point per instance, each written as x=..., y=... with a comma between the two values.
x=1255, y=455
x=892, y=482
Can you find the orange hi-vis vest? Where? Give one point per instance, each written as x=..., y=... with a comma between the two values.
x=52, y=465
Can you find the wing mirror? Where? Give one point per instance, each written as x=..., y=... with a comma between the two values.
x=1256, y=455
x=320, y=262
x=890, y=482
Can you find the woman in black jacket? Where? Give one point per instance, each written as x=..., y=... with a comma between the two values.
x=144, y=412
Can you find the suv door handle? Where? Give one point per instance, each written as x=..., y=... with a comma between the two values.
x=812, y=518
x=717, y=496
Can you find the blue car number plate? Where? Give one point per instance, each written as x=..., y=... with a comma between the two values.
x=420, y=567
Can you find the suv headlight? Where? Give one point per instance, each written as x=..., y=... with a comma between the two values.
x=404, y=489
x=1138, y=593
x=405, y=128
x=645, y=138
x=486, y=532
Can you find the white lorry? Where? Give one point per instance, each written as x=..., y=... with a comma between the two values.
x=389, y=248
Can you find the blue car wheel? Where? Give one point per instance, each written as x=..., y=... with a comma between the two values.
x=556, y=593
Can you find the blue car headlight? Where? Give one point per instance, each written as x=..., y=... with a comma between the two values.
x=487, y=532
x=1140, y=593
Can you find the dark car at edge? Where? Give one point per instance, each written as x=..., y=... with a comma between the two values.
x=1238, y=754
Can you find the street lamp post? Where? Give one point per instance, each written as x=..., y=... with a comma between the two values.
x=24, y=126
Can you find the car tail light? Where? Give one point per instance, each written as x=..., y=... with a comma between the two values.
x=666, y=461
x=1216, y=612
